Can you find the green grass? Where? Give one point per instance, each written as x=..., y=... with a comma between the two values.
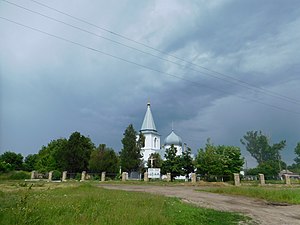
x=271, y=194
x=76, y=203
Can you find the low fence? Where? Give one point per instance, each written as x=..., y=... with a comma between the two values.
x=234, y=179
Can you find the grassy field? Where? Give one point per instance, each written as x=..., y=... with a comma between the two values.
x=77, y=203
x=272, y=194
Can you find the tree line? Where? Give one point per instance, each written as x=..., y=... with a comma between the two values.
x=78, y=153
x=268, y=155
x=75, y=154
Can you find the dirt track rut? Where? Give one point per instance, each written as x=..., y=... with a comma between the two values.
x=260, y=211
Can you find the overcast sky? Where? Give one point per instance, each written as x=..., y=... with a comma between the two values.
x=229, y=67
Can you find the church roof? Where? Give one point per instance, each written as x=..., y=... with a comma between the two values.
x=148, y=123
x=173, y=139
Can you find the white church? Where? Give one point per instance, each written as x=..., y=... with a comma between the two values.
x=152, y=139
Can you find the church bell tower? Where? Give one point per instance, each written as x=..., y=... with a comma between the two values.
x=152, y=137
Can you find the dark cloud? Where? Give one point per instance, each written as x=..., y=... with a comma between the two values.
x=50, y=87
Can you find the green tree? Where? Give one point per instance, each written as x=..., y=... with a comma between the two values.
x=219, y=161
x=208, y=162
x=76, y=153
x=295, y=167
x=30, y=162
x=187, y=162
x=49, y=157
x=173, y=163
x=232, y=160
x=267, y=155
x=12, y=160
x=5, y=167
x=297, y=152
x=258, y=145
x=270, y=168
x=157, y=160
x=104, y=159
x=130, y=154
x=141, y=140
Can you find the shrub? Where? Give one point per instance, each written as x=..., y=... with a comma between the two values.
x=96, y=177
x=56, y=175
x=5, y=167
x=78, y=176
x=19, y=175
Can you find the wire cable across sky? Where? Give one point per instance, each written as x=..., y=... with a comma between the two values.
x=231, y=78
x=224, y=77
x=145, y=67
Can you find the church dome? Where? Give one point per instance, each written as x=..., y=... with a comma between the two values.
x=173, y=139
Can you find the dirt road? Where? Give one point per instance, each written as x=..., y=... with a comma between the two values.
x=262, y=212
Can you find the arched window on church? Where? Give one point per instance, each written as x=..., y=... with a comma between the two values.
x=155, y=142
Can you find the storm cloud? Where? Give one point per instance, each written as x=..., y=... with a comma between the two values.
x=51, y=86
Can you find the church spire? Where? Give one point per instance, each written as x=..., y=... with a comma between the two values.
x=148, y=123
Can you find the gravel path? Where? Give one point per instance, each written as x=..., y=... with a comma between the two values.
x=261, y=211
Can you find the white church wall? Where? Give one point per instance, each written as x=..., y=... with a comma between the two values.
x=152, y=141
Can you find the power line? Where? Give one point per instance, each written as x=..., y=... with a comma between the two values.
x=236, y=80
x=164, y=59
x=241, y=83
x=145, y=67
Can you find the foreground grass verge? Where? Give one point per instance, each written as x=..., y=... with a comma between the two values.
x=271, y=194
x=75, y=203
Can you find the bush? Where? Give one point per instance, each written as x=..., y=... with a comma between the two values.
x=78, y=176
x=5, y=167
x=18, y=175
x=56, y=175
x=95, y=177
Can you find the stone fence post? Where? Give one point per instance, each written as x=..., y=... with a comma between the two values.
x=124, y=176
x=50, y=176
x=193, y=177
x=146, y=178
x=261, y=179
x=32, y=175
x=103, y=176
x=287, y=179
x=169, y=177
x=64, y=176
x=83, y=174
x=237, y=181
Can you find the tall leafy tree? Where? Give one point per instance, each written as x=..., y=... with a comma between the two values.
x=156, y=160
x=270, y=168
x=219, y=160
x=12, y=160
x=141, y=140
x=187, y=162
x=104, y=159
x=130, y=154
x=297, y=152
x=49, y=157
x=232, y=160
x=173, y=163
x=30, y=162
x=295, y=167
x=258, y=145
x=76, y=153
x=208, y=161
